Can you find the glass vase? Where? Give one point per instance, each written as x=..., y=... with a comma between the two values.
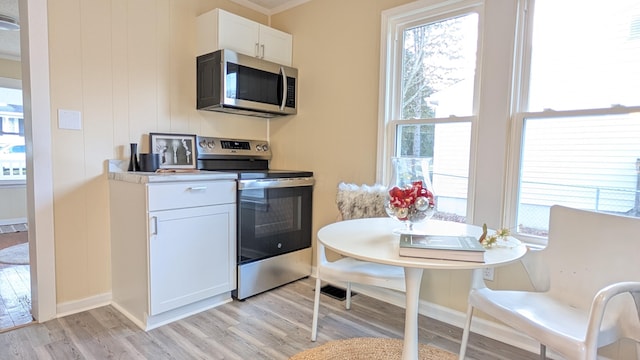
x=410, y=198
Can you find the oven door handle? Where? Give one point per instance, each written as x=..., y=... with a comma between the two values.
x=275, y=183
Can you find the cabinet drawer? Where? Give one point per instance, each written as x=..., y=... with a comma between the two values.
x=190, y=194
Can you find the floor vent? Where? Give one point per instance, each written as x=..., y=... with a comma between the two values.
x=335, y=292
x=6, y=229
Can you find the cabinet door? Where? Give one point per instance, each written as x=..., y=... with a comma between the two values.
x=275, y=45
x=207, y=33
x=238, y=34
x=191, y=255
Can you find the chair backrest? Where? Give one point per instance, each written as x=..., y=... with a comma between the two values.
x=588, y=251
x=356, y=202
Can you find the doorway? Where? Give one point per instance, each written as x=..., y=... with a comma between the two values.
x=15, y=274
x=34, y=64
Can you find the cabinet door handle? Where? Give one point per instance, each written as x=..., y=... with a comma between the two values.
x=257, y=52
x=153, y=225
x=262, y=47
x=197, y=188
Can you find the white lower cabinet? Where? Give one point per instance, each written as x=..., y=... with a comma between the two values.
x=187, y=260
x=173, y=248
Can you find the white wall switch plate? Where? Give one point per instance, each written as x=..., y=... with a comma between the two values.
x=69, y=119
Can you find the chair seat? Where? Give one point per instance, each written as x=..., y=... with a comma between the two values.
x=591, y=282
x=352, y=270
x=560, y=326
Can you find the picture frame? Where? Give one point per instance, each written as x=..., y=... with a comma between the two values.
x=177, y=151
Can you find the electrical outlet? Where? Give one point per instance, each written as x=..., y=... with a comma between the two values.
x=487, y=274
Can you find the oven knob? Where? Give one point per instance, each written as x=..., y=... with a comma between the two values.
x=265, y=147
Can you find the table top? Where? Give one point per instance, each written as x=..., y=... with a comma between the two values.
x=373, y=239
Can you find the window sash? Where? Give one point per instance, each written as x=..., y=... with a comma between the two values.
x=522, y=71
x=450, y=176
x=394, y=23
x=572, y=177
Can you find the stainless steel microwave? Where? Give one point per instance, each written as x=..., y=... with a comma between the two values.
x=240, y=84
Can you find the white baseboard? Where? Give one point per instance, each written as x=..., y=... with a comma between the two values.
x=93, y=302
x=152, y=322
x=129, y=315
x=13, y=221
x=74, y=307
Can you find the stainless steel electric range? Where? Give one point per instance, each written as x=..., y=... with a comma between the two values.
x=273, y=216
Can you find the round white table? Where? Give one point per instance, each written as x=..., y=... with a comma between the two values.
x=373, y=240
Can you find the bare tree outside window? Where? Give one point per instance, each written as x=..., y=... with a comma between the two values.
x=438, y=68
x=437, y=81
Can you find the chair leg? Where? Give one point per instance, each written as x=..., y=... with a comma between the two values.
x=316, y=308
x=348, y=296
x=465, y=332
x=543, y=352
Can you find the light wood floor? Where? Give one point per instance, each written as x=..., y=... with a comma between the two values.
x=272, y=325
x=15, y=287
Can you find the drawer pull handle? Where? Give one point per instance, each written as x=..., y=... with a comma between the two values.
x=197, y=188
x=153, y=225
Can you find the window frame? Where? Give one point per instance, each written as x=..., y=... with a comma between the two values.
x=519, y=111
x=394, y=22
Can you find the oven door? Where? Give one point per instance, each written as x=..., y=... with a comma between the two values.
x=274, y=217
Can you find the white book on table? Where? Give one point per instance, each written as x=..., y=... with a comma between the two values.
x=446, y=247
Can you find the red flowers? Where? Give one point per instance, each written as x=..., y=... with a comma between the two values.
x=404, y=198
x=410, y=198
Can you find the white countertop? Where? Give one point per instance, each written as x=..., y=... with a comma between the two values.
x=118, y=172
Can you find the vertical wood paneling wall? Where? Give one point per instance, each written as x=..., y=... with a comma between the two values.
x=129, y=68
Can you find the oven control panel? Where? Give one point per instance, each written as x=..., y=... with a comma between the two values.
x=214, y=147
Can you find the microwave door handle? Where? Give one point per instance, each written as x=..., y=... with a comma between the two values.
x=284, y=88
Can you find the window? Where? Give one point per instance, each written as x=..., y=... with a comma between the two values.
x=578, y=118
x=429, y=90
x=12, y=146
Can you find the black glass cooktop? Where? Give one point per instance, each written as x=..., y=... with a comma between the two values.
x=272, y=174
x=254, y=169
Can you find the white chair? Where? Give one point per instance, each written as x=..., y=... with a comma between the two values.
x=593, y=294
x=355, y=202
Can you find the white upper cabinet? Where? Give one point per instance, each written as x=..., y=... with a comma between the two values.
x=219, y=29
x=275, y=45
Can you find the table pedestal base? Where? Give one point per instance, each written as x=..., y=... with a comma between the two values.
x=413, y=278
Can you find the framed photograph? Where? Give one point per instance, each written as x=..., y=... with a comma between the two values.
x=177, y=151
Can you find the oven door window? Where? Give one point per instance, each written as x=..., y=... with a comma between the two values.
x=273, y=222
